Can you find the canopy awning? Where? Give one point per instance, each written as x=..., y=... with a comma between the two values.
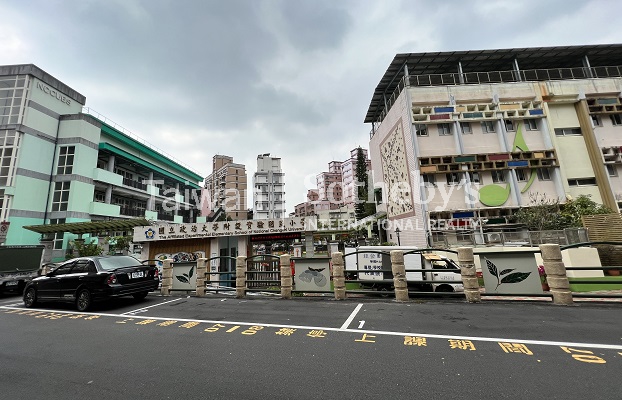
x=79, y=228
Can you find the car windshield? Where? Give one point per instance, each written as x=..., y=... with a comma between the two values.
x=118, y=262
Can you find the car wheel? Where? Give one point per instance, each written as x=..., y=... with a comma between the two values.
x=83, y=300
x=445, y=289
x=140, y=296
x=30, y=297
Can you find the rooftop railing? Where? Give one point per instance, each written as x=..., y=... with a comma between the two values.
x=107, y=121
x=478, y=78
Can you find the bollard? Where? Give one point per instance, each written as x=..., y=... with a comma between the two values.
x=201, y=271
x=556, y=276
x=399, y=275
x=286, y=277
x=240, y=277
x=167, y=277
x=339, y=279
x=466, y=260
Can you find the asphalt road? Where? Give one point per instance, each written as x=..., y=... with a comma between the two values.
x=309, y=348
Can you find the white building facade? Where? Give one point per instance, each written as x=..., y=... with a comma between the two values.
x=268, y=188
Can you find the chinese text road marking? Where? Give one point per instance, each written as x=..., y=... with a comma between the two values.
x=583, y=355
x=165, y=320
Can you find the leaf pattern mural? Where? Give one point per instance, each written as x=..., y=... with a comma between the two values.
x=505, y=276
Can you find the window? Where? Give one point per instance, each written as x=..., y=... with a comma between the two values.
x=509, y=125
x=12, y=90
x=64, y=269
x=616, y=119
x=65, y=160
x=521, y=176
x=100, y=197
x=60, y=201
x=444, y=129
x=466, y=128
x=58, y=237
x=611, y=170
x=429, y=180
x=544, y=174
x=582, y=182
x=498, y=176
x=9, y=145
x=475, y=177
x=5, y=205
x=568, y=132
x=80, y=267
x=596, y=121
x=421, y=130
x=531, y=125
x=488, y=126
x=453, y=178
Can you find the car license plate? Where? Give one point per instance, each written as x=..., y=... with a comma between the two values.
x=139, y=274
x=11, y=283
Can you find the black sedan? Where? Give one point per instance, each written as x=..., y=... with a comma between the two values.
x=87, y=279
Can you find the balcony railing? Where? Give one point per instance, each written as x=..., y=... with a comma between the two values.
x=166, y=217
x=134, y=184
x=132, y=212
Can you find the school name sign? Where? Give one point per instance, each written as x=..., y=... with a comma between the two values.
x=223, y=228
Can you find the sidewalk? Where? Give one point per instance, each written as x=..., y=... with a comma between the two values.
x=594, y=299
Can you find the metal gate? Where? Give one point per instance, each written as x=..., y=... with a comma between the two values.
x=263, y=271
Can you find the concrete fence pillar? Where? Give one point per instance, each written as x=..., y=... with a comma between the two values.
x=556, y=276
x=466, y=260
x=240, y=277
x=339, y=279
x=399, y=275
x=201, y=271
x=286, y=276
x=167, y=277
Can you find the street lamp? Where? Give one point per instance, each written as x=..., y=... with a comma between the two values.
x=397, y=232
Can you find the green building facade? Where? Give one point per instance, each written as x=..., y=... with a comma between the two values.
x=61, y=162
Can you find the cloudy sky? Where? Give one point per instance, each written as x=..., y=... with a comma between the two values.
x=288, y=77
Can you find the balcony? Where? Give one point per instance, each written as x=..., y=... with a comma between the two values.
x=134, y=184
x=165, y=217
x=132, y=212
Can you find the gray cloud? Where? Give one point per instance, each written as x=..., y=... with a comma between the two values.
x=244, y=77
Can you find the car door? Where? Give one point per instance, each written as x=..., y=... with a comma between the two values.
x=49, y=288
x=71, y=280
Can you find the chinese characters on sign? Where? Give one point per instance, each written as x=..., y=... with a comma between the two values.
x=223, y=228
x=371, y=262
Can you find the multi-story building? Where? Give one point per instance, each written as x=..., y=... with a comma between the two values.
x=62, y=163
x=349, y=180
x=461, y=140
x=313, y=205
x=226, y=188
x=329, y=183
x=269, y=188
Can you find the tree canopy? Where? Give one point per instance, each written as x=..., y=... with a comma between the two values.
x=549, y=214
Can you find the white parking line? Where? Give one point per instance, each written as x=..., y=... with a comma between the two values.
x=143, y=309
x=351, y=317
x=329, y=329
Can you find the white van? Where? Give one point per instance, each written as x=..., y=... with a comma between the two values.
x=378, y=273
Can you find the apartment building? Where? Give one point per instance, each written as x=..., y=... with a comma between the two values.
x=348, y=171
x=461, y=140
x=62, y=162
x=269, y=188
x=329, y=184
x=226, y=188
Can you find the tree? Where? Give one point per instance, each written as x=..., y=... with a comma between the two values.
x=541, y=214
x=548, y=214
x=363, y=206
x=582, y=205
